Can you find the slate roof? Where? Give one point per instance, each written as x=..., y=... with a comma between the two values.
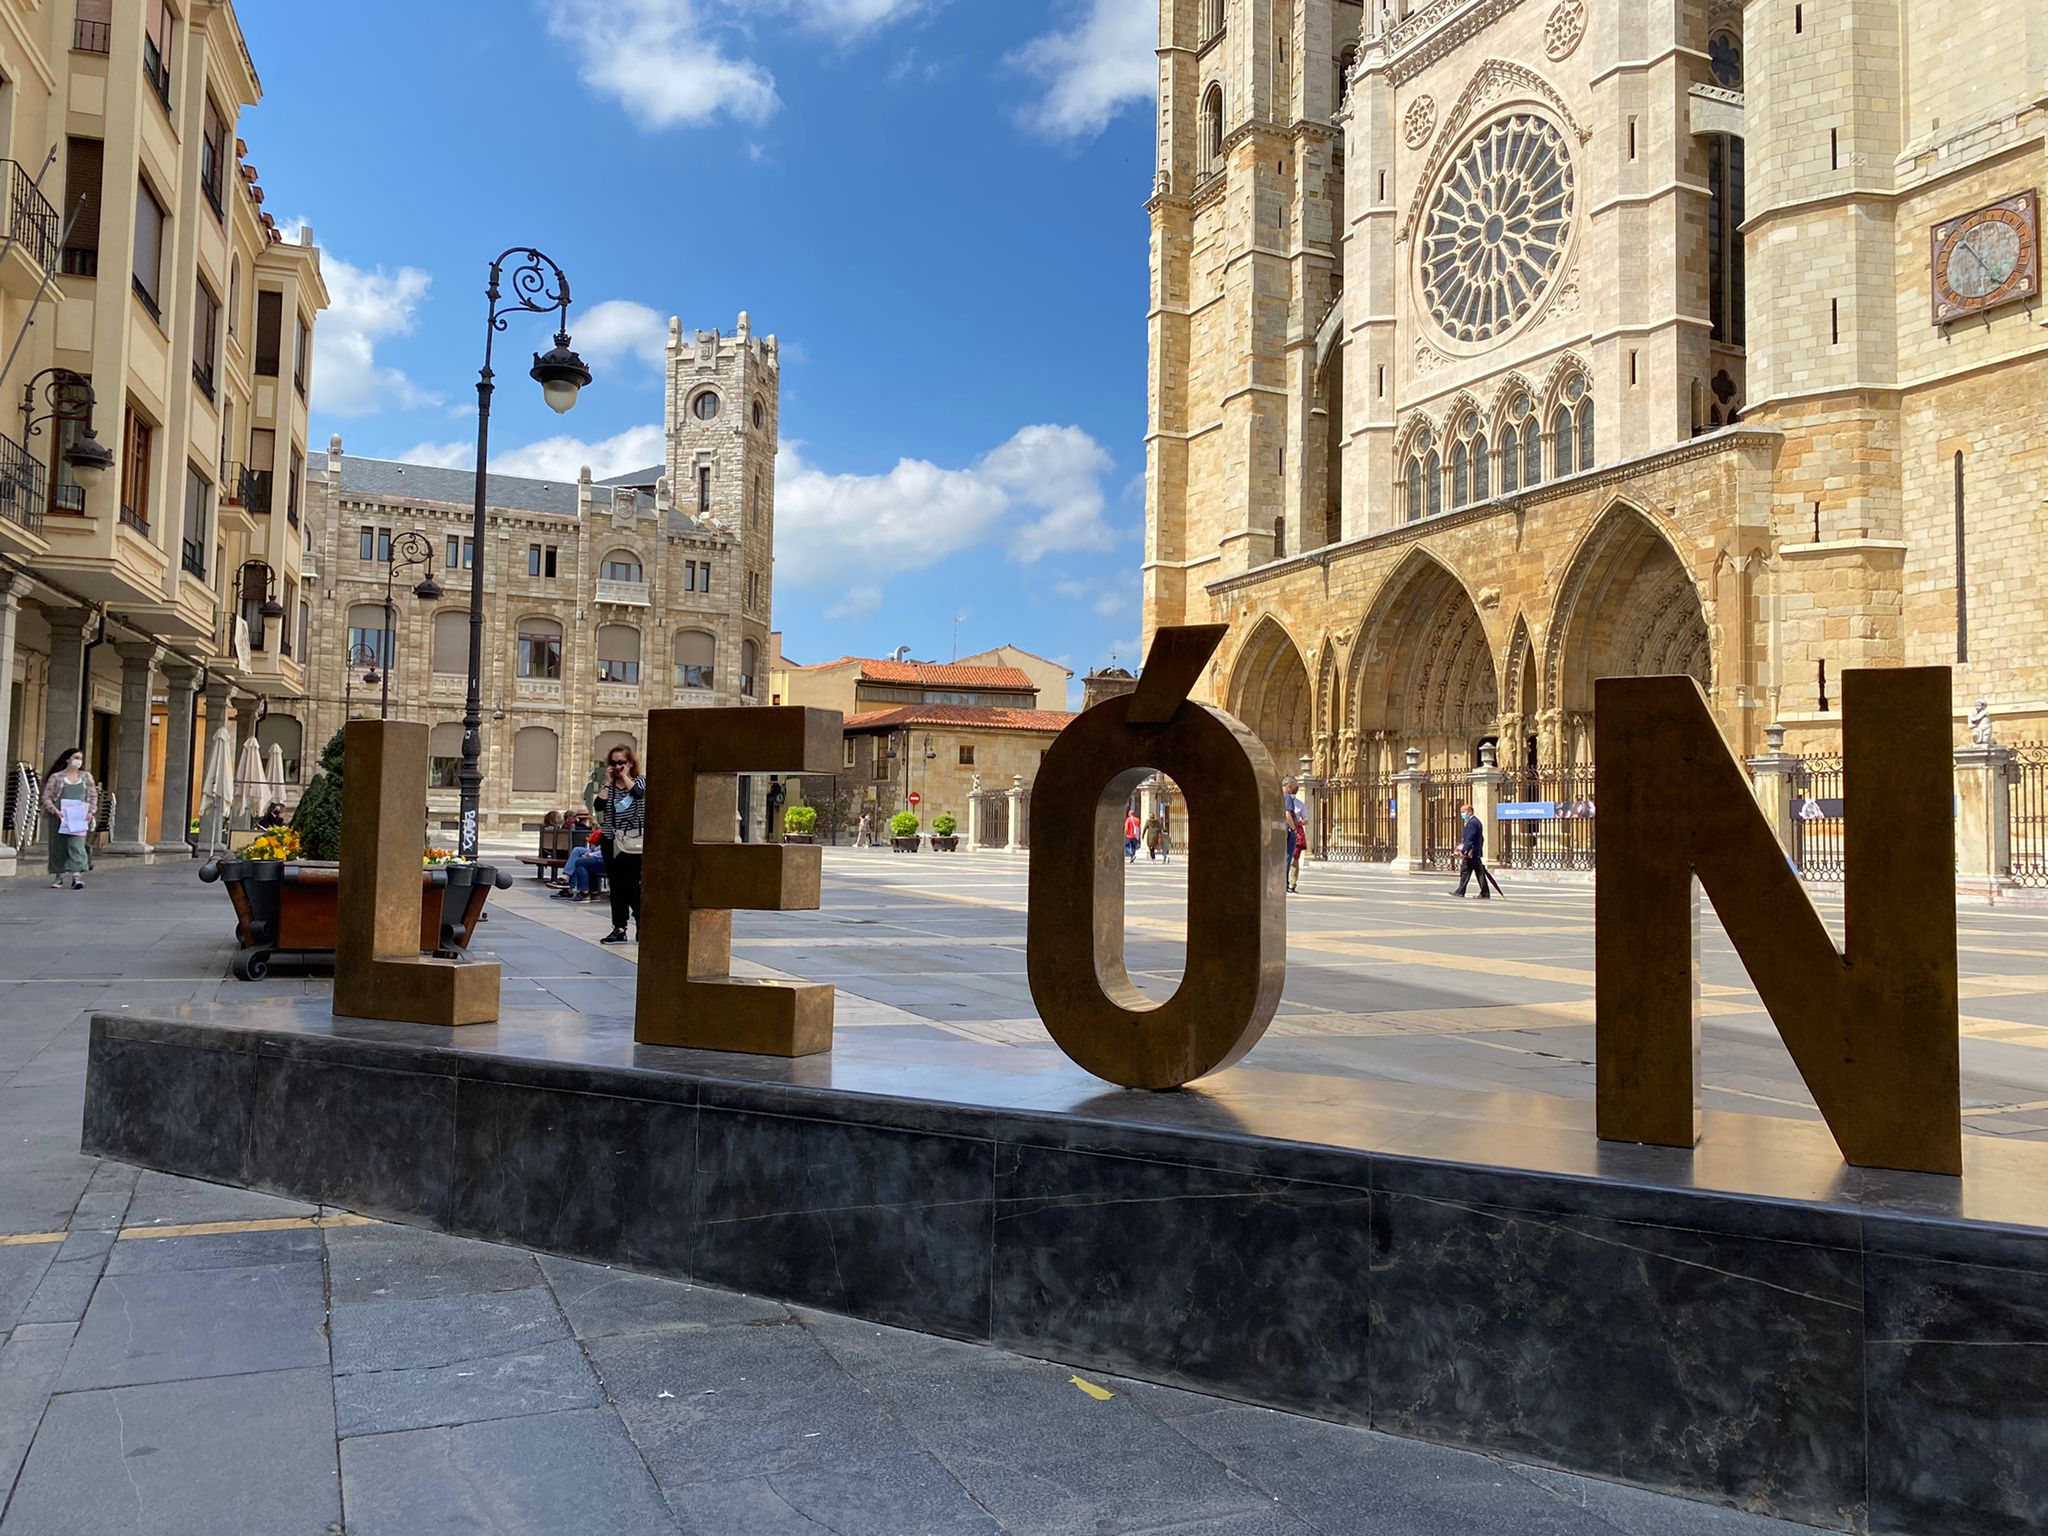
x=977, y=717
x=361, y=476
x=639, y=477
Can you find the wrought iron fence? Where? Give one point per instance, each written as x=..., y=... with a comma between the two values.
x=1442, y=826
x=992, y=819
x=33, y=222
x=1355, y=820
x=1817, y=818
x=21, y=485
x=2028, y=808
x=1565, y=834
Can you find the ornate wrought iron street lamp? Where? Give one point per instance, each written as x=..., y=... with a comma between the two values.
x=359, y=655
x=538, y=286
x=69, y=397
x=411, y=548
x=270, y=608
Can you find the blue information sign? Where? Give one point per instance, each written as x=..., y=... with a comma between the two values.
x=1526, y=810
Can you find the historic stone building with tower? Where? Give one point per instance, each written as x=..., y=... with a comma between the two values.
x=603, y=599
x=1500, y=345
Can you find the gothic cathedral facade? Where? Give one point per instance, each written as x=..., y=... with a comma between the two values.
x=1501, y=345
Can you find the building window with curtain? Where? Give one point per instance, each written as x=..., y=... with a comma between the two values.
x=536, y=760
x=620, y=565
x=618, y=654
x=444, y=754
x=152, y=235
x=84, y=161
x=696, y=652
x=198, y=491
x=205, y=336
x=540, y=649
x=158, y=20
x=367, y=635
x=213, y=157
x=269, y=330
x=451, y=642
x=138, y=440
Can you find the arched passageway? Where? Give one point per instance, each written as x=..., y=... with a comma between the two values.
x=1269, y=692
x=1627, y=608
x=1422, y=674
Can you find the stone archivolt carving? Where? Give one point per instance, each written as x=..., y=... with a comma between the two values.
x=1564, y=28
x=1418, y=121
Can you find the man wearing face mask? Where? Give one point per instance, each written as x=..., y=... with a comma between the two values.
x=72, y=802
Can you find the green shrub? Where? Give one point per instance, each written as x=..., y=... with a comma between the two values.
x=903, y=824
x=945, y=824
x=800, y=820
x=318, y=817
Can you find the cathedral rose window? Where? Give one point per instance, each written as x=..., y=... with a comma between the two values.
x=1497, y=227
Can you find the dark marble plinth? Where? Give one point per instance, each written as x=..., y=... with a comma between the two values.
x=1751, y=1323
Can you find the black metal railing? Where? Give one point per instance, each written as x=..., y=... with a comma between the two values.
x=30, y=218
x=21, y=485
x=81, y=261
x=130, y=518
x=252, y=489
x=203, y=377
x=1817, y=818
x=1564, y=836
x=68, y=497
x=1355, y=820
x=91, y=36
x=156, y=69
x=148, y=300
x=192, y=557
x=2028, y=810
x=1442, y=826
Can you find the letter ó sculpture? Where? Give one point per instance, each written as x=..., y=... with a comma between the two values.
x=1237, y=901
x=1873, y=1030
x=696, y=875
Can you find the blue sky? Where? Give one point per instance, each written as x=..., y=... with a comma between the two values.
x=936, y=205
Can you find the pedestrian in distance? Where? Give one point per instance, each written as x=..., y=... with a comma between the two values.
x=1131, y=830
x=1155, y=836
x=72, y=802
x=1472, y=856
x=1297, y=830
x=621, y=806
x=864, y=837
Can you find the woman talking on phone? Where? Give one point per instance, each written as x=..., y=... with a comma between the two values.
x=621, y=807
x=72, y=802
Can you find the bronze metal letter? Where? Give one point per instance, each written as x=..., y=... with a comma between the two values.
x=697, y=875
x=1874, y=1031
x=1237, y=901
x=379, y=972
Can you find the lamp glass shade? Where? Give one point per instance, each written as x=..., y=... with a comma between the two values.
x=560, y=373
x=88, y=460
x=271, y=608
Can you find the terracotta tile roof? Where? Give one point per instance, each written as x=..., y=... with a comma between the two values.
x=973, y=717
x=928, y=674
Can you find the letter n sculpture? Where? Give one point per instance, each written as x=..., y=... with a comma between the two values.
x=1237, y=901
x=697, y=874
x=379, y=972
x=1873, y=1028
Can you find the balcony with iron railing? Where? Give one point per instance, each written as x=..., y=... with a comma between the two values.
x=132, y=517
x=246, y=488
x=91, y=36
x=192, y=557
x=156, y=69
x=21, y=486
x=33, y=228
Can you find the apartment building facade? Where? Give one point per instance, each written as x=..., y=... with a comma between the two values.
x=144, y=607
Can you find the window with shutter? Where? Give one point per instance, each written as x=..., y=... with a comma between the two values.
x=269, y=330
x=84, y=159
x=444, y=753
x=536, y=753
x=696, y=651
x=618, y=653
x=451, y=642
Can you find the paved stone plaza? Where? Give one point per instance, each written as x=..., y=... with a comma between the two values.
x=178, y=1356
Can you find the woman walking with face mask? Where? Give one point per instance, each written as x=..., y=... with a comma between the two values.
x=72, y=802
x=621, y=807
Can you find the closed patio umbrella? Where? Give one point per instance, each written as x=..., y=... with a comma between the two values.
x=217, y=790
x=251, y=792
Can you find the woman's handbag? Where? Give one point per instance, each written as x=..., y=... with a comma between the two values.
x=634, y=841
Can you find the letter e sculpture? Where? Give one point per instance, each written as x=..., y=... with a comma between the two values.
x=697, y=875
x=1237, y=903
x=379, y=972
x=1874, y=1029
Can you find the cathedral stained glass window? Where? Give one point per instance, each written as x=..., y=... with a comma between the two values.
x=1495, y=234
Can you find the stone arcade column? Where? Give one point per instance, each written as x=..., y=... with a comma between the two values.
x=1773, y=774
x=1486, y=783
x=1984, y=816
x=1017, y=798
x=131, y=765
x=68, y=682
x=181, y=680
x=12, y=590
x=1408, y=786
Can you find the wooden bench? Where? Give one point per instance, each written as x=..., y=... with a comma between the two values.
x=555, y=843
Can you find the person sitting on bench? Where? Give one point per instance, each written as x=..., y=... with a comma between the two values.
x=585, y=862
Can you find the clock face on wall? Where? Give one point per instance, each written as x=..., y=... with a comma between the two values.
x=1989, y=257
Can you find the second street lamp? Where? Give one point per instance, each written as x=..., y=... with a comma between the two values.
x=538, y=286
x=409, y=549
x=69, y=398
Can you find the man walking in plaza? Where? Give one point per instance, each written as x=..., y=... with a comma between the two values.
x=1131, y=837
x=1472, y=851
x=1297, y=830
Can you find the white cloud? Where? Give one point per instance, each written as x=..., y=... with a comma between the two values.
x=1039, y=493
x=618, y=328
x=659, y=61
x=857, y=603
x=1094, y=69
x=364, y=308
x=553, y=458
x=674, y=63
x=1106, y=599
